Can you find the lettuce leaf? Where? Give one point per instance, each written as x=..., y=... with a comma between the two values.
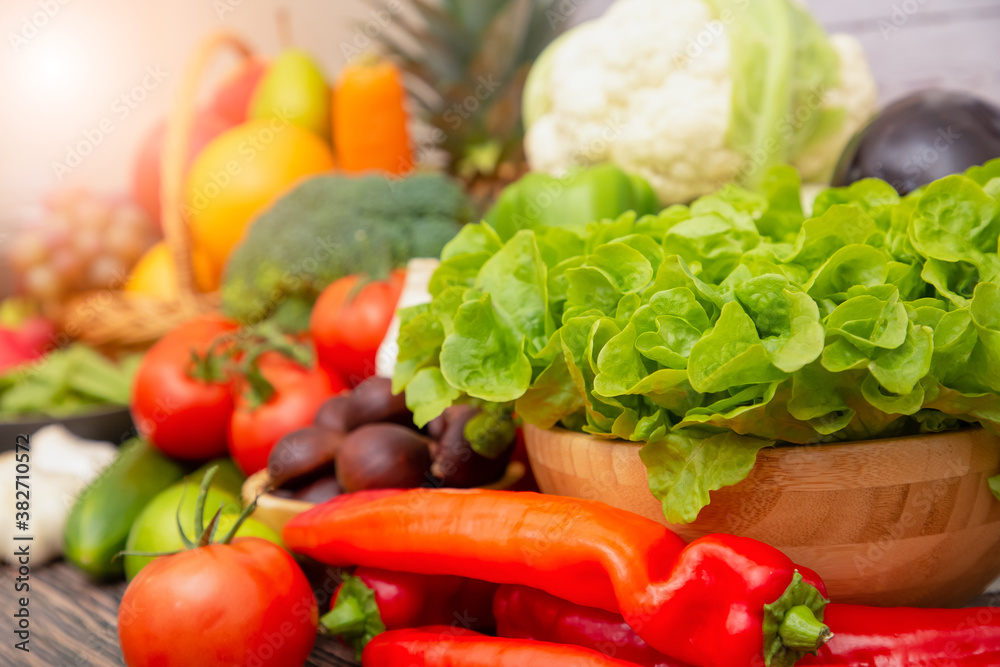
x=484, y=357
x=686, y=465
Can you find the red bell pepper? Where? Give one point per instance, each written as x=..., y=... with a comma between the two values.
x=452, y=647
x=721, y=601
x=863, y=636
x=528, y=613
x=373, y=601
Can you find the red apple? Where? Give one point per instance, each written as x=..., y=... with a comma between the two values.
x=36, y=336
x=146, y=172
x=11, y=355
x=232, y=98
x=33, y=338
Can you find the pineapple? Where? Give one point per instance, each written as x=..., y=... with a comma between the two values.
x=466, y=62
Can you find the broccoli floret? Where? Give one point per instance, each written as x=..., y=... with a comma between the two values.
x=333, y=226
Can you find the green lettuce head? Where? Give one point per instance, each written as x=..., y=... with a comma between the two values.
x=714, y=330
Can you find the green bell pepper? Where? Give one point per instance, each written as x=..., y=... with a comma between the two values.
x=571, y=203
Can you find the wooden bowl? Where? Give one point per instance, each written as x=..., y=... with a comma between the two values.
x=276, y=511
x=900, y=521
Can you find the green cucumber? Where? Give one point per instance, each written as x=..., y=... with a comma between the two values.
x=100, y=521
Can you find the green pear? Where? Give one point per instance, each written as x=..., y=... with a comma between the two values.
x=294, y=89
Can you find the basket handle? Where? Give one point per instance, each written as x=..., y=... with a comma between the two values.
x=174, y=158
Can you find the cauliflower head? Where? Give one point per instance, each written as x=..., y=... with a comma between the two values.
x=650, y=87
x=854, y=96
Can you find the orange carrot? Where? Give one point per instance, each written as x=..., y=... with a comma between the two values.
x=369, y=118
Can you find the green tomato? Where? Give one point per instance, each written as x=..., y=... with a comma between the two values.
x=227, y=477
x=156, y=528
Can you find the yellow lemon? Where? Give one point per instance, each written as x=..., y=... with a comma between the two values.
x=155, y=274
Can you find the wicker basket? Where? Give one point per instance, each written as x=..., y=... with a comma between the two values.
x=113, y=320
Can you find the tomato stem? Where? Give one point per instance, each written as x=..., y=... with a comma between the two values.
x=188, y=544
x=199, y=506
x=363, y=280
x=210, y=367
x=205, y=535
x=215, y=526
x=260, y=389
x=273, y=338
x=205, y=538
x=268, y=337
x=244, y=515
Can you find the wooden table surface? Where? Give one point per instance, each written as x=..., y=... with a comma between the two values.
x=73, y=623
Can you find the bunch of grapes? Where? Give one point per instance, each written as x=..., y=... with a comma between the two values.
x=82, y=241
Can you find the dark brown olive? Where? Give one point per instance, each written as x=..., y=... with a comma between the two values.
x=371, y=402
x=377, y=403
x=383, y=456
x=456, y=464
x=435, y=427
x=335, y=414
x=303, y=456
x=319, y=491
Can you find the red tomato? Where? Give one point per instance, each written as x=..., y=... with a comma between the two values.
x=245, y=603
x=180, y=414
x=298, y=394
x=348, y=324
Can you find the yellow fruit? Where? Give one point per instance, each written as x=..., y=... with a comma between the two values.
x=155, y=274
x=240, y=173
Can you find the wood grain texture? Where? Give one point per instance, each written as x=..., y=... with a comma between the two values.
x=74, y=623
x=907, y=521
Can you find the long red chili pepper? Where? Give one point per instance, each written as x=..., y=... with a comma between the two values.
x=721, y=601
x=906, y=637
x=528, y=613
x=864, y=636
x=372, y=601
x=449, y=647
